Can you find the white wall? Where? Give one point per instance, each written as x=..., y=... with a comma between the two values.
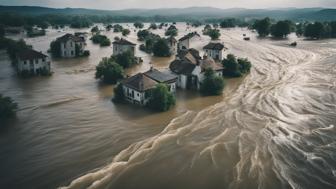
x=68, y=49
x=34, y=65
x=213, y=54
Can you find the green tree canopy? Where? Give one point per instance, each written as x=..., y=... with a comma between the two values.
x=138, y=25
x=212, y=84
x=234, y=67
x=171, y=32
x=109, y=71
x=161, y=99
x=161, y=48
x=125, y=59
x=101, y=39
x=153, y=26
x=117, y=28
x=315, y=30
x=281, y=29
x=126, y=32
x=263, y=26
x=214, y=34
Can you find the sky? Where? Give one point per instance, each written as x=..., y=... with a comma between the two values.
x=149, y=4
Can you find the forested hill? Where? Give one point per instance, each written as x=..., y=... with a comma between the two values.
x=312, y=14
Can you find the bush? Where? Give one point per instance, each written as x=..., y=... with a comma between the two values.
x=95, y=29
x=153, y=26
x=161, y=48
x=244, y=65
x=138, y=25
x=143, y=34
x=118, y=93
x=212, y=84
x=109, y=71
x=126, y=32
x=101, y=39
x=315, y=30
x=8, y=108
x=214, y=34
x=86, y=53
x=281, y=29
x=161, y=99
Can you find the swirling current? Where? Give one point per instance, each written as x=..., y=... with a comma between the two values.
x=277, y=130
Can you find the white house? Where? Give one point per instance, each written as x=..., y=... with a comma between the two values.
x=137, y=89
x=215, y=50
x=33, y=62
x=122, y=45
x=71, y=45
x=185, y=41
x=189, y=68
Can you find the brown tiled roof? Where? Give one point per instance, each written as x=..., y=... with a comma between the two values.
x=182, y=67
x=139, y=82
x=182, y=53
x=68, y=37
x=160, y=76
x=189, y=36
x=123, y=42
x=30, y=54
x=210, y=63
x=214, y=46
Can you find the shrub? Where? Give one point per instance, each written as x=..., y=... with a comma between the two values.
x=125, y=59
x=234, y=67
x=153, y=26
x=138, y=25
x=171, y=32
x=212, y=84
x=109, y=71
x=101, y=39
x=8, y=108
x=117, y=28
x=161, y=99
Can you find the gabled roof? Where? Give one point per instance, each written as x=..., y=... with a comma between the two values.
x=182, y=67
x=210, y=63
x=139, y=82
x=183, y=53
x=70, y=36
x=123, y=42
x=189, y=36
x=30, y=54
x=160, y=76
x=214, y=46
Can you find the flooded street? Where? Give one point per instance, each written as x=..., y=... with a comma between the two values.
x=272, y=129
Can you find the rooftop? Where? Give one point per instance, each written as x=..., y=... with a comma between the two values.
x=210, y=63
x=123, y=42
x=182, y=67
x=70, y=36
x=189, y=36
x=139, y=82
x=159, y=76
x=214, y=46
x=30, y=54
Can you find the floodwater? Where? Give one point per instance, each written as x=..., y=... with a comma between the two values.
x=272, y=129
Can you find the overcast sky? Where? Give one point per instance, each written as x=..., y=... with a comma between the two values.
x=125, y=4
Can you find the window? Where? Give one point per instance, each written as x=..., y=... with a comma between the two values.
x=43, y=59
x=72, y=52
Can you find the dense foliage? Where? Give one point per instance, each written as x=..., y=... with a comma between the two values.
x=161, y=99
x=7, y=108
x=263, y=27
x=95, y=29
x=101, y=39
x=214, y=34
x=281, y=29
x=138, y=25
x=126, y=32
x=153, y=26
x=234, y=67
x=212, y=84
x=161, y=48
x=55, y=48
x=117, y=28
x=125, y=59
x=13, y=47
x=171, y=31
x=109, y=71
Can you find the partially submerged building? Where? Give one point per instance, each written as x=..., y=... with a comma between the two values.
x=71, y=46
x=122, y=45
x=185, y=41
x=32, y=62
x=137, y=88
x=189, y=68
x=215, y=50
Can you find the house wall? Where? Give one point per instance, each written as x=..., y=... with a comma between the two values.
x=68, y=48
x=183, y=44
x=134, y=96
x=172, y=47
x=33, y=66
x=118, y=49
x=215, y=54
x=181, y=81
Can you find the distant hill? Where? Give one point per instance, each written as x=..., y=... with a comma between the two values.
x=320, y=14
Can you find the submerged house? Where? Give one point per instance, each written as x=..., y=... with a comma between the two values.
x=172, y=44
x=122, y=45
x=137, y=88
x=189, y=68
x=184, y=42
x=33, y=63
x=215, y=50
x=71, y=45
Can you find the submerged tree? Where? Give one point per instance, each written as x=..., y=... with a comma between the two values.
x=161, y=99
x=109, y=71
x=263, y=27
x=212, y=84
x=281, y=29
x=161, y=48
